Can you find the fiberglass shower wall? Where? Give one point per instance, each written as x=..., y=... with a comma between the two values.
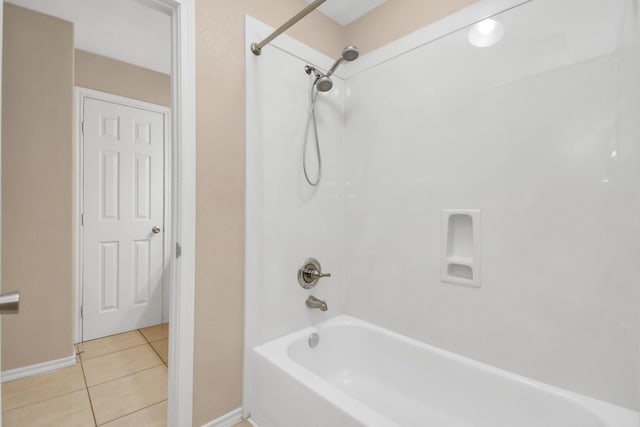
x=540, y=132
x=289, y=221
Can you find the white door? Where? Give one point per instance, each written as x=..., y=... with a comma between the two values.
x=123, y=168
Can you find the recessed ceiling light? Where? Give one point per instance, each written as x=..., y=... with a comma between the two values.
x=486, y=33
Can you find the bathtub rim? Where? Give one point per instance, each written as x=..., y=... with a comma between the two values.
x=277, y=353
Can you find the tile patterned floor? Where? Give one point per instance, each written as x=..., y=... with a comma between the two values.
x=120, y=381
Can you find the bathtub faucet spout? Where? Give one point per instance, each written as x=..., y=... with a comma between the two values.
x=313, y=302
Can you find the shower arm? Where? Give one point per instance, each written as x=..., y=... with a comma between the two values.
x=334, y=67
x=256, y=48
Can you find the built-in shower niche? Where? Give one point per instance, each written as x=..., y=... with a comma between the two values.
x=461, y=247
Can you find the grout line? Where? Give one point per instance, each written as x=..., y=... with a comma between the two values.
x=154, y=349
x=115, y=352
x=111, y=352
x=93, y=412
x=161, y=359
x=125, y=376
x=50, y=397
x=131, y=413
x=107, y=336
x=160, y=339
x=43, y=400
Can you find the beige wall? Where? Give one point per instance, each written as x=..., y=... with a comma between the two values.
x=120, y=78
x=37, y=183
x=220, y=190
x=397, y=18
x=220, y=54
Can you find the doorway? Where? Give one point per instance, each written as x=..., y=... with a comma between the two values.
x=182, y=185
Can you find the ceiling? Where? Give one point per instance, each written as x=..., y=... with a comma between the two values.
x=345, y=12
x=121, y=29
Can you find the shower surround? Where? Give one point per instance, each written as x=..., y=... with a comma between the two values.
x=539, y=133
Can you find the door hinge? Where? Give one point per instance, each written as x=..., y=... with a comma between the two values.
x=178, y=250
x=82, y=128
x=82, y=311
x=82, y=219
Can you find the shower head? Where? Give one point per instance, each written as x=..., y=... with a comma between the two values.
x=324, y=83
x=350, y=53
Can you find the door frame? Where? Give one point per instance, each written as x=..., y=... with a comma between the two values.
x=183, y=213
x=81, y=94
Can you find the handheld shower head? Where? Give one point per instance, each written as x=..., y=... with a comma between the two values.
x=324, y=83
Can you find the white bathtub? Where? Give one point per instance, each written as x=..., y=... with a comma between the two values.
x=363, y=375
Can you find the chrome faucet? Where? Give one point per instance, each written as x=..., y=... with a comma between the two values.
x=313, y=302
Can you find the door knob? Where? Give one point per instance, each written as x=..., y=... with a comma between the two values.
x=155, y=229
x=10, y=303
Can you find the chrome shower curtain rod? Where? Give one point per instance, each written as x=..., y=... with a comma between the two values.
x=256, y=48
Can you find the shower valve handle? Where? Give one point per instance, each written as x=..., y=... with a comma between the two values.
x=309, y=273
x=316, y=274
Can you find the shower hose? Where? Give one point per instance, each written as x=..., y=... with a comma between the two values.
x=313, y=97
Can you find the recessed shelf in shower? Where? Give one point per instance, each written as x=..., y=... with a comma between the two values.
x=460, y=253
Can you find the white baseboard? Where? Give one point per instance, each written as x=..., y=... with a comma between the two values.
x=38, y=368
x=227, y=420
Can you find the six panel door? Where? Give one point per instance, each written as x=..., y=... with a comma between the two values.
x=123, y=223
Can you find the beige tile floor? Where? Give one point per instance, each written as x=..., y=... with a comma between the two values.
x=120, y=381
